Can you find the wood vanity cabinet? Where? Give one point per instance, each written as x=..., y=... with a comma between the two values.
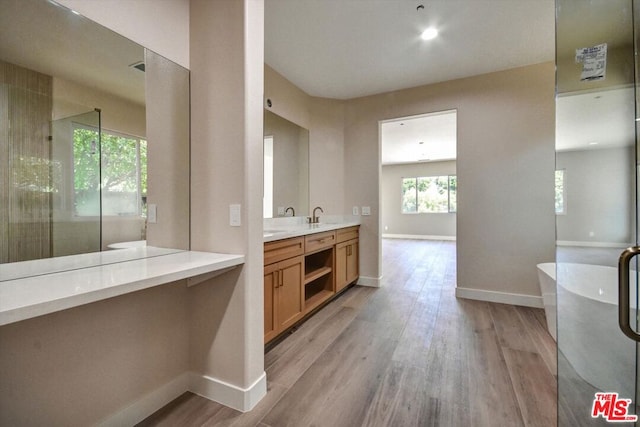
x=303, y=273
x=283, y=281
x=347, y=257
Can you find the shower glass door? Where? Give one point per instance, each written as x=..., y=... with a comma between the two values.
x=76, y=203
x=596, y=209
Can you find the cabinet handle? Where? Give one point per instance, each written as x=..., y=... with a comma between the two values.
x=277, y=279
x=280, y=275
x=349, y=250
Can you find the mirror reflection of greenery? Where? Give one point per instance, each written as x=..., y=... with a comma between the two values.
x=433, y=194
x=124, y=165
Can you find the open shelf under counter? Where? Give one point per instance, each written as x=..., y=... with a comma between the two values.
x=316, y=274
x=29, y=297
x=317, y=299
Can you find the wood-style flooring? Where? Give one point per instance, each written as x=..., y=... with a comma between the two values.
x=406, y=354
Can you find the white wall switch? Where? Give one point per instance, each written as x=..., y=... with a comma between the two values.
x=280, y=210
x=152, y=213
x=366, y=210
x=355, y=210
x=235, y=216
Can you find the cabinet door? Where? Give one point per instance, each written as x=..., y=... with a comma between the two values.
x=289, y=291
x=270, y=320
x=353, y=261
x=341, y=266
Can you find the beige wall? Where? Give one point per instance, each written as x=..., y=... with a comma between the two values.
x=424, y=224
x=506, y=125
x=79, y=366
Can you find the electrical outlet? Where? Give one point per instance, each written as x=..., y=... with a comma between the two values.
x=355, y=211
x=366, y=210
x=235, y=215
x=280, y=210
x=152, y=213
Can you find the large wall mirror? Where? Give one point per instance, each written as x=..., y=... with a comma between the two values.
x=286, y=167
x=94, y=139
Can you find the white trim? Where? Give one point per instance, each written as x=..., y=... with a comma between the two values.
x=500, y=297
x=241, y=399
x=615, y=245
x=148, y=404
x=369, y=281
x=417, y=237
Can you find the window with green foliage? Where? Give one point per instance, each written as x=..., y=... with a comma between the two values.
x=561, y=207
x=432, y=194
x=123, y=178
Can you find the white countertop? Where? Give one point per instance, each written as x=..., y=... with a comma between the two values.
x=23, y=269
x=278, y=232
x=34, y=296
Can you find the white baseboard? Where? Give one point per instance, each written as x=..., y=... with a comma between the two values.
x=369, y=281
x=219, y=391
x=500, y=297
x=612, y=245
x=228, y=394
x=417, y=237
x=147, y=405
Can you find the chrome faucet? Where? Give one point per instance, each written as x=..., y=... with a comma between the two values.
x=293, y=211
x=315, y=218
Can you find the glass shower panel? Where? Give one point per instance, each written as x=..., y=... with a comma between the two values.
x=76, y=225
x=595, y=205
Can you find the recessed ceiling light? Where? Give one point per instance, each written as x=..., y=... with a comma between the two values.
x=593, y=143
x=429, y=34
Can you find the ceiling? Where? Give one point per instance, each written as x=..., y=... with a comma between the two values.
x=344, y=49
x=426, y=138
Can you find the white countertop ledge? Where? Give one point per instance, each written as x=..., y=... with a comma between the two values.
x=274, y=233
x=22, y=299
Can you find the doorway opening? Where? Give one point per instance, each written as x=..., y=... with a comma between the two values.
x=418, y=181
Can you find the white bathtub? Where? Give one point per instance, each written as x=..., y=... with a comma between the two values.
x=585, y=303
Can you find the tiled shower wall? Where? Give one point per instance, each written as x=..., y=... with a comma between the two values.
x=25, y=166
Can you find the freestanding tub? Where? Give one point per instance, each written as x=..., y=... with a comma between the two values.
x=585, y=301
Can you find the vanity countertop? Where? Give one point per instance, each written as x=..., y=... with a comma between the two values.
x=275, y=232
x=34, y=296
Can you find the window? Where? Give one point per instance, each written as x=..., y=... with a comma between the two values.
x=123, y=178
x=561, y=204
x=432, y=194
x=267, y=203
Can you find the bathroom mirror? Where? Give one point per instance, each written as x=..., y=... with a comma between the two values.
x=286, y=169
x=94, y=133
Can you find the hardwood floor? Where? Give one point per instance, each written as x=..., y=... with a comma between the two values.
x=406, y=354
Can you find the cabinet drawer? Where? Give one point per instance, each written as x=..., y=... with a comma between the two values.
x=283, y=249
x=318, y=241
x=349, y=233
